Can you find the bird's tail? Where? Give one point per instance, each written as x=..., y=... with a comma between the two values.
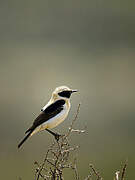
x=25, y=138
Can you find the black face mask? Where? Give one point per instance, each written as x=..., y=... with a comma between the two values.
x=66, y=94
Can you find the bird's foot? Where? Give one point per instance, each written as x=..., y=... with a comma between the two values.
x=57, y=137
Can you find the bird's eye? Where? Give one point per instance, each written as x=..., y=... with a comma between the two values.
x=66, y=94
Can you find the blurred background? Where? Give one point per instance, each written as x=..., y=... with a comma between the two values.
x=86, y=45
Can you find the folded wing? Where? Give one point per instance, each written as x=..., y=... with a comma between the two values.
x=51, y=111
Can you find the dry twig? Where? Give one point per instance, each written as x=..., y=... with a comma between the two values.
x=57, y=157
x=123, y=171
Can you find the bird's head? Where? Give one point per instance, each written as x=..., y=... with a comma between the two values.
x=62, y=92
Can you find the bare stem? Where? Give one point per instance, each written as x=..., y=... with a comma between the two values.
x=123, y=171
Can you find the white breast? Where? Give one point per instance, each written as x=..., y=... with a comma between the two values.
x=53, y=122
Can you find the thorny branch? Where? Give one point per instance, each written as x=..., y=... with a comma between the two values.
x=57, y=159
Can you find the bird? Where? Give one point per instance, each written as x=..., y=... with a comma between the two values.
x=52, y=114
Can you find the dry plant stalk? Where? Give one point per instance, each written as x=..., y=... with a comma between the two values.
x=120, y=175
x=57, y=157
x=93, y=174
x=123, y=172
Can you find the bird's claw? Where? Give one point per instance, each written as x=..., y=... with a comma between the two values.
x=57, y=137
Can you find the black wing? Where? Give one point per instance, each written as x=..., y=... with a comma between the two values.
x=47, y=114
x=44, y=116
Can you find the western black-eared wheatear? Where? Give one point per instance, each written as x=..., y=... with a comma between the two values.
x=52, y=114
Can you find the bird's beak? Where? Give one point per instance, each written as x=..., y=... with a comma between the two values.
x=74, y=90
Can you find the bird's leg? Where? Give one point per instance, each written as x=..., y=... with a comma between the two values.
x=56, y=135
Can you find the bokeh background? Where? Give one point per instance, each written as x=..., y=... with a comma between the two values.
x=86, y=45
